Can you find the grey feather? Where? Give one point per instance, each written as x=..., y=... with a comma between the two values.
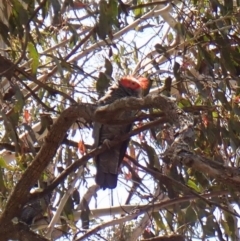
x=108, y=162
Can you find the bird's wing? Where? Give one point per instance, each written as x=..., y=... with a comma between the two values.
x=96, y=134
x=108, y=162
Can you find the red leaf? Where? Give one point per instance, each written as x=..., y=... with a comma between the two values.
x=185, y=64
x=81, y=147
x=205, y=120
x=125, y=159
x=140, y=135
x=79, y=5
x=128, y=176
x=132, y=152
x=27, y=116
x=236, y=99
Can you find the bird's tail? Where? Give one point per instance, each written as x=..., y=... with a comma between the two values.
x=106, y=180
x=107, y=164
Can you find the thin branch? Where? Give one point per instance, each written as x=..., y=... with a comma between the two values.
x=40, y=6
x=21, y=231
x=142, y=224
x=139, y=210
x=86, y=111
x=125, y=209
x=175, y=237
x=144, y=5
x=202, y=164
x=151, y=13
x=62, y=203
x=82, y=161
x=182, y=186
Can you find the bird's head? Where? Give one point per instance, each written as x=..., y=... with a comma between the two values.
x=134, y=85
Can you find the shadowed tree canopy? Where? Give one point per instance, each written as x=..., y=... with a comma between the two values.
x=179, y=178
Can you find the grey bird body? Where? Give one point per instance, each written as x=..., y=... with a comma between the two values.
x=108, y=162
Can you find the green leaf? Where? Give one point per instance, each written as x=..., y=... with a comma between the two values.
x=18, y=107
x=215, y=114
x=59, y=66
x=169, y=218
x=222, y=98
x=85, y=214
x=190, y=216
x=209, y=228
x=56, y=6
x=229, y=5
x=138, y=12
x=20, y=12
x=201, y=205
x=163, y=51
x=236, y=109
x=113, y=11
x=104, y=25
x=45, y=9
x=167, y=86
x=102, y=83
x=152, y=156
x=13, y=117
x=160, y=48
x=184, y=103
x=231, y=223
x=202, y=90
x=3, y=188
x=202, y=179
x=170, y=37
x=180, y=28
x=181, y=218
x=3, y=164
x=33, y=53
x=158, y=219
x=68, y=208
x=76, y=196
x=108, y=67
x=28, y=2
x=4, y=32
x=193, y=185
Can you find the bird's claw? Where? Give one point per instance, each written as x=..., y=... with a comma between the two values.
x=107, y=143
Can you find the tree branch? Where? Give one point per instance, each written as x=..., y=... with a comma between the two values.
x=139, y=210
x=82, y=161
x=206, y=165
x=107, y=112
x=104, y=114
x=53, y=140
x=46, y=154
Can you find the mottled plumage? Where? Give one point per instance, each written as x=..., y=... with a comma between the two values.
x=108, y=162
